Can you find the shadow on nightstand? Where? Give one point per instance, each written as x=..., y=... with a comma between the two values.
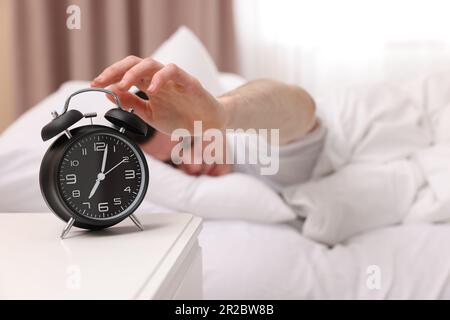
x=114, y=231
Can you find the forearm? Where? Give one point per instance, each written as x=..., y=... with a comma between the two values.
x=267, y=104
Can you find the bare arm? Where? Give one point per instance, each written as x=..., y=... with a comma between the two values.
x=177, y=99
x=268, y=104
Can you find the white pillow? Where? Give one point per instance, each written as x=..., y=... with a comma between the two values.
x=229, y=197
x=186, y=50
x=233, y=196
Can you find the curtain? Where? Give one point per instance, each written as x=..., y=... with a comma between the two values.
x=48, y=53
x=326, y=45
x=6, y=66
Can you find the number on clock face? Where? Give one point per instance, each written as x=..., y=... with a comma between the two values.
x=100, y=176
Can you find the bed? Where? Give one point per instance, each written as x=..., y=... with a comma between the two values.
x=245, y=260
x=252, y=249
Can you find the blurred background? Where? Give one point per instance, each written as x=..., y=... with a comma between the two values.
x=321, y=45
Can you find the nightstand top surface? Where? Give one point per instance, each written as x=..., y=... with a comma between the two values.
x=117, y=263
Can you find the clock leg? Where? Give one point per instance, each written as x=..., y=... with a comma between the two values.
x=136, y=222
x=67, y=228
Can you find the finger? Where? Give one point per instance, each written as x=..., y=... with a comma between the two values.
x=171, y=72
x=115, y=72
x=140, y=75
x=128, y=99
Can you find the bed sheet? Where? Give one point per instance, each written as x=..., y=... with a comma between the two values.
x=264, y=261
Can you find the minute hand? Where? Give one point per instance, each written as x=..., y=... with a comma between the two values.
x=105, y=154
x=114, y=167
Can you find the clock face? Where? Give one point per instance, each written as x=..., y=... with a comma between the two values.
x=101, y=176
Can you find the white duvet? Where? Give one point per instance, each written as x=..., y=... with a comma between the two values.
x=388, y=152
x=376, y=212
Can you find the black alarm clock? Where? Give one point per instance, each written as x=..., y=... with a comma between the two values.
x=94, y=176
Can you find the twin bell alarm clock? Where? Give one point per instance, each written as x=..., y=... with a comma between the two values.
x=94, y=176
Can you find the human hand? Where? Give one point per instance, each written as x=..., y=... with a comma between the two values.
x=176, y=99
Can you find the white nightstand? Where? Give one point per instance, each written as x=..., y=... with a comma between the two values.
x=162, y=262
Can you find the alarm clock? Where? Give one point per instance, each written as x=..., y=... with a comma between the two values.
x=94, y=176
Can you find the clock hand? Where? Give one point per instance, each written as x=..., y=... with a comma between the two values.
x=100, y=176
x=114, y=167
x=105, y=154
x=94, y=188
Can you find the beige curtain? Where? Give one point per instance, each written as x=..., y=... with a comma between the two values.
x=47, y=53
x=7, y=109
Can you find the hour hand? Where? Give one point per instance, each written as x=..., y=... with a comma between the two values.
x=94, y=188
